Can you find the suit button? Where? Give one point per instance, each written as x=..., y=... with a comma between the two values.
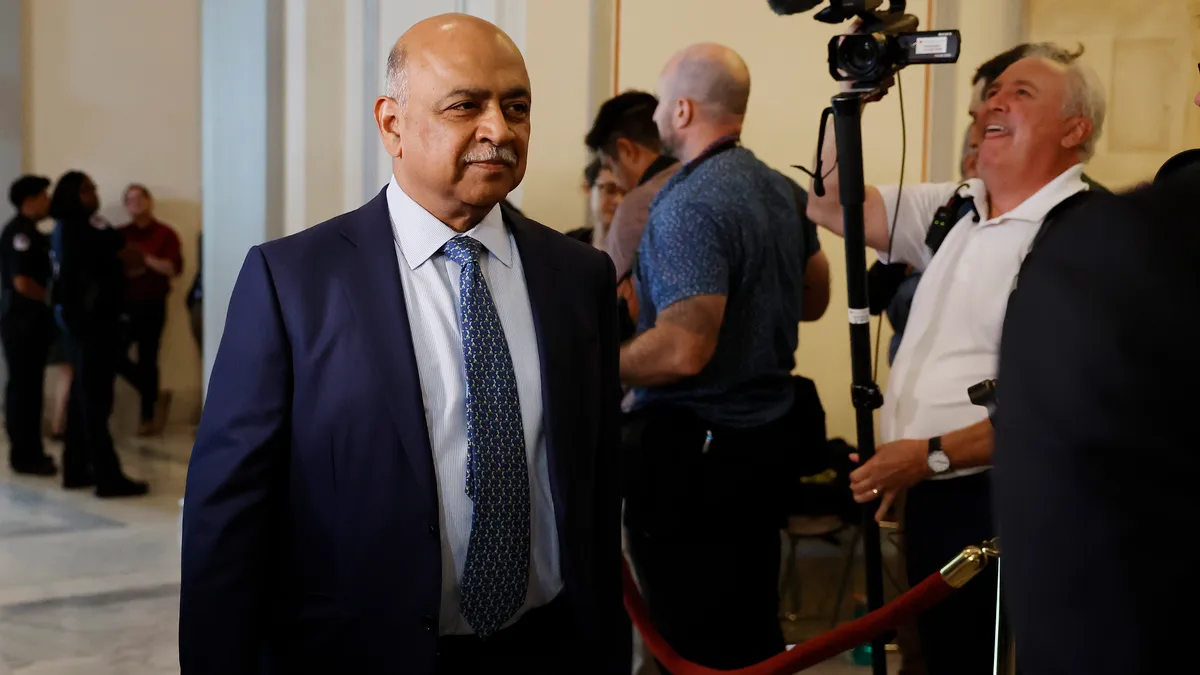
x=427, y=622
x=433, y=531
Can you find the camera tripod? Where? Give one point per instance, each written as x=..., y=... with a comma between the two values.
x=847, y=116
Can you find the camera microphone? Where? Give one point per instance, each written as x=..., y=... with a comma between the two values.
x=786, y=7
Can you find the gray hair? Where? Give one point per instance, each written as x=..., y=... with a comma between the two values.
x=397, y=75
x=1084, y=95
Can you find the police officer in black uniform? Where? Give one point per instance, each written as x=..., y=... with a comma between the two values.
x=89, y=289
x=25, y=324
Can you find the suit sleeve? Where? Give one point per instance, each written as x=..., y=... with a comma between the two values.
x=235, y=485
x=612, y=624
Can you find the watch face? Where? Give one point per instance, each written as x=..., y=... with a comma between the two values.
x=939, y=462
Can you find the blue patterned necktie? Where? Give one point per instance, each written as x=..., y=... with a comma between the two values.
x=497, y=570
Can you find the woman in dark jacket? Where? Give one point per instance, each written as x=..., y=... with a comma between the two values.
x=88, y=295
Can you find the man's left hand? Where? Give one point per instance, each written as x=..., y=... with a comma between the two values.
x=895, y=467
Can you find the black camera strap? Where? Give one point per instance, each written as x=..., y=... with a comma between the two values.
x=960, y=205
x=947, y=216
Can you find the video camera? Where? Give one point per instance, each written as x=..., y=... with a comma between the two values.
x=886, y=42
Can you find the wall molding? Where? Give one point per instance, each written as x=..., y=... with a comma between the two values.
x=295, y=110
x=242, y=144
x=12, y=106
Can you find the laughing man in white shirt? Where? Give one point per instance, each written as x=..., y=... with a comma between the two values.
x=1039, y=123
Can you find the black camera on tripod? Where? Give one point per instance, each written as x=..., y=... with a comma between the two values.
x=887, y=41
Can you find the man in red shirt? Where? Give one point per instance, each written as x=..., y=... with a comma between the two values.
x=146, y=302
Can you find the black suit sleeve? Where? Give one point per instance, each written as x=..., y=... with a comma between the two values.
x=612, y=623
x=1095, y=460
x=235, y=486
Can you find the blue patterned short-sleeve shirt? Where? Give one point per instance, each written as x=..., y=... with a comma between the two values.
x=730, y=225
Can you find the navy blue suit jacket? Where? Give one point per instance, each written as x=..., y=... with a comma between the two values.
x=1096, y=457
x=310, y=535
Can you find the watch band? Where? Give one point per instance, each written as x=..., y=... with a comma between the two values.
x=935, y=444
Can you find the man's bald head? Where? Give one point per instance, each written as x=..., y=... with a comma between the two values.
x=703, y=92
x=456, y=116
x=712, y=75
x=438, y=33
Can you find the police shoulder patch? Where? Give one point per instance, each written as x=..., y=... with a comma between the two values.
x=21, y=242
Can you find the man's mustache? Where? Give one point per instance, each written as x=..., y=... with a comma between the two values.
x=491, y=153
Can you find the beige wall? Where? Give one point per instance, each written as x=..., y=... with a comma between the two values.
x=790, y=86
x=557, y=55
x=325, y=108
x=1143, y=54
x=113, y=89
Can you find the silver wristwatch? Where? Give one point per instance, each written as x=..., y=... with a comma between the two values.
x=938, y=461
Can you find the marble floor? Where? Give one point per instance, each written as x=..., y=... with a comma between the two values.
x=90, y=587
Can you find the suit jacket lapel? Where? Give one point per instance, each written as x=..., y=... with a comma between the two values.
x=551, y=307
x=377, y=297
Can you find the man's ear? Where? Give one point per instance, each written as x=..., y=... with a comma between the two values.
x=626, y=150
x=1079, y=129
x=387, y=118
x=685, y=112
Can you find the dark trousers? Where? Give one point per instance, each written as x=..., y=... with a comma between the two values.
x=196, y=320
x=942, y=517
x=26, y=338
x=537, y=644
x=704, y=533
x=88, y=451
x=145, y=329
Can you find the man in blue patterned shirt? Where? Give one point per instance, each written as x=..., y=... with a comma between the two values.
x=723, y=268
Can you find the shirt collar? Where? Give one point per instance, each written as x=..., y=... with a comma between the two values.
x=656, y=167
x=1035, y=208
x=726, y=142
x=420, y=234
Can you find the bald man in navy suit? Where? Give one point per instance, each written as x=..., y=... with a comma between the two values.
x=408, y=457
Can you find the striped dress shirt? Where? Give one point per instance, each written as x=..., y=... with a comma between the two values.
x=431, y=292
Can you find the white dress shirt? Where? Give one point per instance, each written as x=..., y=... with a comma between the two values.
x=952, y=338
x=431, y=292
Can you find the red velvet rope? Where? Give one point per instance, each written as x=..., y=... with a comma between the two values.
x=829, y=644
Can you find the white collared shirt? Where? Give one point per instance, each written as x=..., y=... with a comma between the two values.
x=952, y=338
x=431, y=292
